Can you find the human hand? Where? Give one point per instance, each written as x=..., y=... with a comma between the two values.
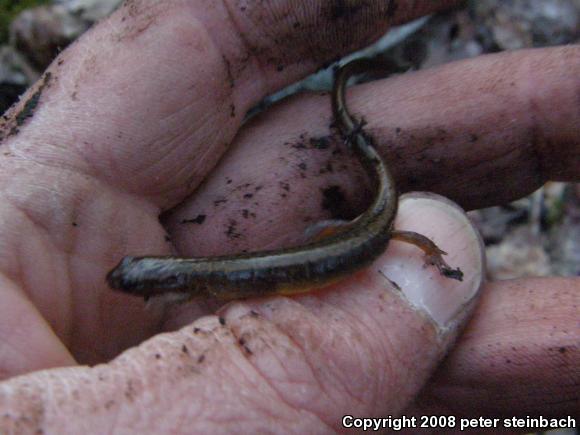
x=136, y=115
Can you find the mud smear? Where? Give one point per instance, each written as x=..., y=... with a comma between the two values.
x=10, y=125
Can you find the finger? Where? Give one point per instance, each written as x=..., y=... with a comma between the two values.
x=362, y=347
x=26, y=341
x=508, y=120
x=149, y=100
x=520, y=353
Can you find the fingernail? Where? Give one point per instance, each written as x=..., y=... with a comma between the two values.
x=442, y=299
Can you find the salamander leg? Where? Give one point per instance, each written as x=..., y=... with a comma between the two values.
x=434, y=255
x=358, y=129
x=175, y=298
x=327, y=228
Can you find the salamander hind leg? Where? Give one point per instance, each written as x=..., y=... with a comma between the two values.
x=327, y=228
x=434, y=255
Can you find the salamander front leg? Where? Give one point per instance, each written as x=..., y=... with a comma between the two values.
x=434, y=255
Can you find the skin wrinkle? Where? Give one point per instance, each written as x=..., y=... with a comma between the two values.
x=302, y=351
x=538, y=142
x=484, y=162
x=69, y=320
x=239, y=369
x=257, y=50
x=24, y=278
x=539, y=139
x=47, y=228
x=202, y=38
x=369, y=336
x=28, y=217
x=394, y=358
x=303, y=408
x=273, y=384
x=151, y=167
x=16, y=270
x=295, y=384
x=49, y=231
x=272, y=325
x=343, y=389
x=234, y=64
x=64, y=328
x=384, y=357
x=534, y=130
x=179, y=143
x=307, y=308
x=29, y=156
x=76, y=319
x=249, y=55
x=278, y=328
x=197, y=171
x=63, y=333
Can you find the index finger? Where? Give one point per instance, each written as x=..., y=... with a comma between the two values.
x=149, y=101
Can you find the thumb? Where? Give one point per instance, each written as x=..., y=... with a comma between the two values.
x=363, y=347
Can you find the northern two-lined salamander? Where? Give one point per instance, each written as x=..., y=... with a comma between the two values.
x=293, y=270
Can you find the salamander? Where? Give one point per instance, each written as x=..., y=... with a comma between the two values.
x=295, y=270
